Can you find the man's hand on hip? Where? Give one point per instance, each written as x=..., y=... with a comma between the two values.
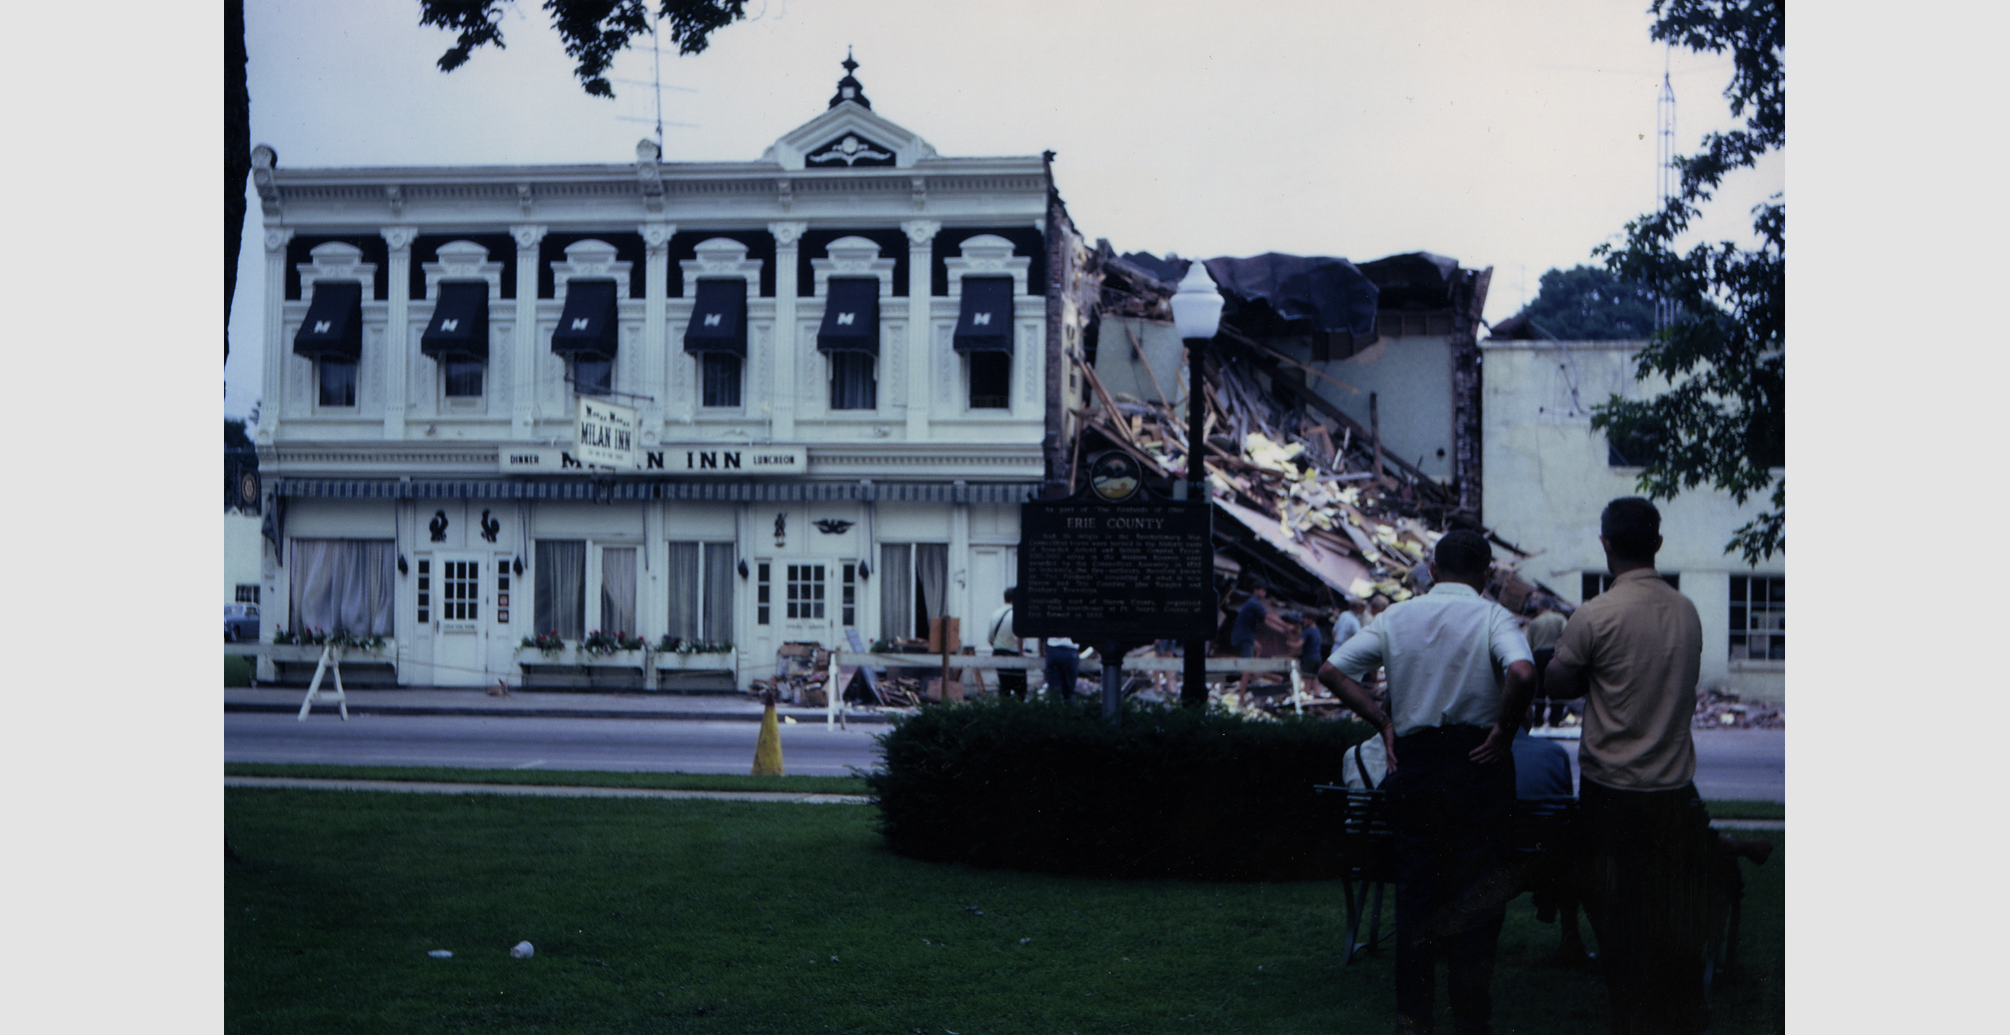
x=1495, y=747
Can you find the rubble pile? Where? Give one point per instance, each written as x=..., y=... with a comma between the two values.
x=1716, y=710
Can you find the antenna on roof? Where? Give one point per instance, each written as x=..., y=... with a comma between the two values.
x=655, y=85
x=1664, y=108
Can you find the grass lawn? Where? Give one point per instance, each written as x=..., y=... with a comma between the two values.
x=712, y=916
x=558, y=777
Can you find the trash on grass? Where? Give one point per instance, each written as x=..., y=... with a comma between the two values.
x=441, y=954
x=522, y=951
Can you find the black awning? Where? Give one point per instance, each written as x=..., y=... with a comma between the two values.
x=587, y=325
x=460, y=324
x=334, y=325
x=851, y=317
x=719, y=318
x=986, y=322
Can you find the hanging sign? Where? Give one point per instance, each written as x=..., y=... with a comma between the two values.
x=604, y=434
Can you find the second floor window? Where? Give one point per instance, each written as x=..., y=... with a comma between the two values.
x=338, y=382
x=592, y=375
x=463, y=378
x=990, y=380
x=720, y=374
x=853, y=386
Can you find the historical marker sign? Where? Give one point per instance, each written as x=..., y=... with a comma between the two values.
x=1095, y=571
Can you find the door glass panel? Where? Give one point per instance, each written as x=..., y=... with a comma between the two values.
x=460, y=590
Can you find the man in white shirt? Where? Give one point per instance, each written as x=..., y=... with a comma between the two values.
x=1004, y=641
x=1451, y=772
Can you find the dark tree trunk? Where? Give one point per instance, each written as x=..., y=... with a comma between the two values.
x=236, y=151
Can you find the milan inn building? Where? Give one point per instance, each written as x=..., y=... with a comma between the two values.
x=786, y=400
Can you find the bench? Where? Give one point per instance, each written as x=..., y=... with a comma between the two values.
x=1538, y=858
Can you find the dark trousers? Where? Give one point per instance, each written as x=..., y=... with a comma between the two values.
x=1011, y=681
x=1556, y=708
x=1647, y=867
x=1450, y=820
x=1063, y=664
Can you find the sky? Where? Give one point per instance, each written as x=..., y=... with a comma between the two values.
x=1517, y=135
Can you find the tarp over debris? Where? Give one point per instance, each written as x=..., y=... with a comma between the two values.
x=1280, y=294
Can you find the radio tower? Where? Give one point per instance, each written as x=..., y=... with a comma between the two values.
x=1664, y=308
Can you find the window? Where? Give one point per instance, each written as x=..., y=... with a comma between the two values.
x=761, y=595
x=460, y=591
x=560, y=601
x=701, y=591
x=338, y=382
x=591, y=375
x=343, y=585
x=1758, y=618
x=463, y=378
x=850, y=616
x=502, y=594
x=720, y=374
x=806, y=591
x=913, y=578
x=990, y=380
x=1595, y=582
x=852, y=383
x=617, y=589
x=425, y=592
x=247, y=593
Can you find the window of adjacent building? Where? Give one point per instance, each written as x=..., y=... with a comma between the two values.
x=463, y=378
x=247, y=593
x=343, y=585
x=806, y=591
x=701, y=591
x=560, y=588
x=1758, y=618
x=337, y=379
x=990, y=380
x=853, y=386
x=913, y=578
x=591, y=375
x=720, y=374
x=1595, y=582
x=761, y=591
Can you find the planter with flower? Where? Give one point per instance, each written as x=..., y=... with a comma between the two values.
x=676, y=653
x=306, y=645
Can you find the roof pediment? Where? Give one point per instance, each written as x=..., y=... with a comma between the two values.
x=848, y=136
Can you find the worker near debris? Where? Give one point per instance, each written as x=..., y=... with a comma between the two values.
x=1311, y=654
x=1062, y=659
x=1005, y=643
x=1543, y=631
x=1259, y=609
x=1446, y=736
x=1633, y=652
x=1349, y=622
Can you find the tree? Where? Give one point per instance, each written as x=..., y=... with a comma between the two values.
x=1724, y=417
x=1588, y=303
x=594, y=32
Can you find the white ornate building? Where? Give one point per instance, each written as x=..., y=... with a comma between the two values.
x=843, y=361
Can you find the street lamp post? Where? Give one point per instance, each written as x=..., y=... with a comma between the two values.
x=1196, y=310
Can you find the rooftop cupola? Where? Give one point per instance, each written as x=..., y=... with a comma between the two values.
x=848, y=88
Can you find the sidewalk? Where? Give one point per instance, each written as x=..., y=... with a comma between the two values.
x=547, y=704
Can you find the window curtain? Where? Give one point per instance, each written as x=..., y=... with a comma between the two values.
x=617, y=589
x=684, y=589
x=931, y=571
x=561, y=587
x=345, y=585
x=896, y=591
x=719, y=575
x=852, y=384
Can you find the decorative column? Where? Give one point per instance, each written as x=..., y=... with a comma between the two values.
x=523, y=341
x=272, y=406
x=397, y=328
x=781, y=402
x=920, y=325
x=655, y=334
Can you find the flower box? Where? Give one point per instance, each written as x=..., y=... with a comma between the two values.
x=574, y=668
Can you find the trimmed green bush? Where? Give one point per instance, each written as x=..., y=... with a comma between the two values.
x=1169, y=793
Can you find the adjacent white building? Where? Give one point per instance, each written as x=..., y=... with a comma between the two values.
x=831, y=374
x=1548, y=475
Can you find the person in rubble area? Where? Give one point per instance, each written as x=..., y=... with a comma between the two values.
x=1062, y=663
x=1446, y=736
x=1311, y=654
x=1633, y=653
x=1543, y=631
x=1259, y=609
x=1349, y=622
x=1376, y=605
x=1005, y=643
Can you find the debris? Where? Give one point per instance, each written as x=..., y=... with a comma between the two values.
x=1716, y=709
x=522, y=951
x=441, y=954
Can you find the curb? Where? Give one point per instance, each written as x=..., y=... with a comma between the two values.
x=537, y=790
x=802, y=719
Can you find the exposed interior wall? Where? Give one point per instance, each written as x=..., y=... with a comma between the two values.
x=1412, y=379
x=1547, y=480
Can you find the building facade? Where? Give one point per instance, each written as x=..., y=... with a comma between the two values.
x=1549, y=475
x=795, y=399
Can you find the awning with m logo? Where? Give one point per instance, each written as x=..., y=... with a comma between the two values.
x=719, y=318
x=460, y=325
x=334, y=325
x=588, y=323
x=851, y=317
x=985, y=324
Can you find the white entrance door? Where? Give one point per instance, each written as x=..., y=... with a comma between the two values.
x=808, y=607
x=460, y=634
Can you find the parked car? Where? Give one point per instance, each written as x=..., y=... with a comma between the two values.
x=240, y=622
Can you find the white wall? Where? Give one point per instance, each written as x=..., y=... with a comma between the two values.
x=1546, y=480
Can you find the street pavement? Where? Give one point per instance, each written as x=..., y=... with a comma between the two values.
x=697, y=733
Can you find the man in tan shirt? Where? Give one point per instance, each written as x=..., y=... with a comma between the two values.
x=1633, y=653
